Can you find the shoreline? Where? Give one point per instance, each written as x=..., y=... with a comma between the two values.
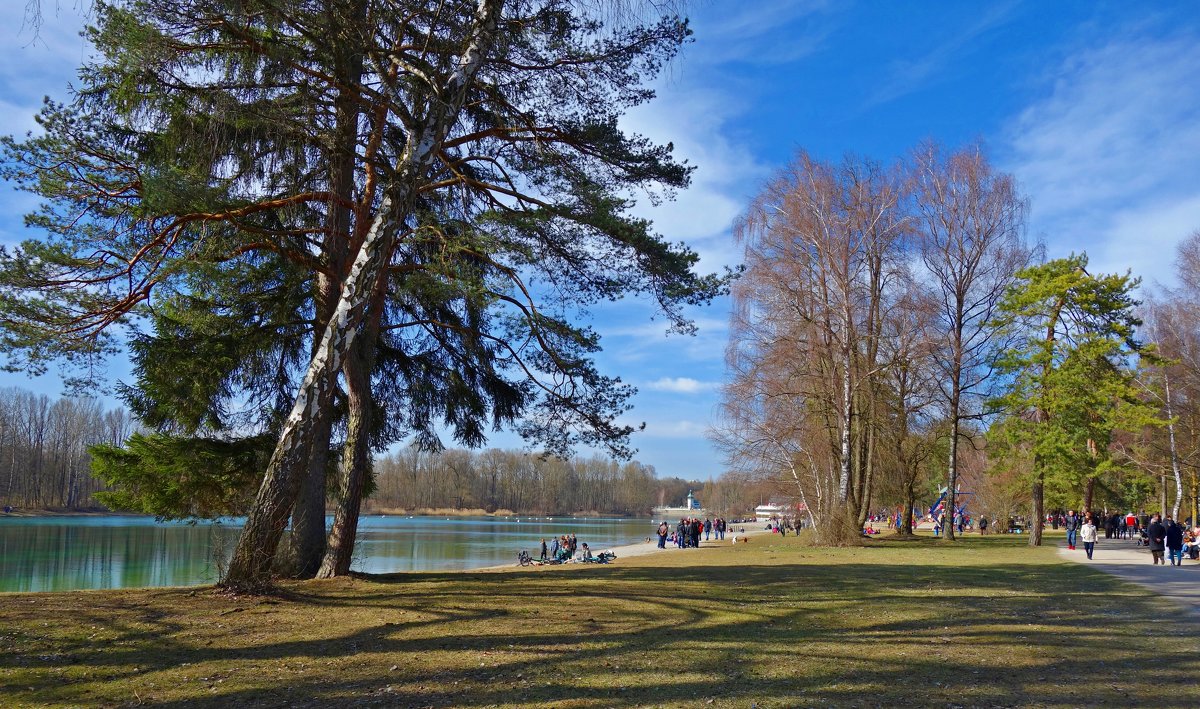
x=384, y=512
x=626, y=551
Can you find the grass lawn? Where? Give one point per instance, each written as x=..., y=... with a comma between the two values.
x=979, y=623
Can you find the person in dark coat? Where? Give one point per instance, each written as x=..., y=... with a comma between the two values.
x=1156, y=535
x=1071, y=522
x=1174, y=542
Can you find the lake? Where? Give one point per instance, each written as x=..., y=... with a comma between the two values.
x=68, y=553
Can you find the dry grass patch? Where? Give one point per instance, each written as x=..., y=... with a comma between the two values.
x=774, y=623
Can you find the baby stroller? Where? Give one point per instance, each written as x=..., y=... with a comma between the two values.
x=1143, y=539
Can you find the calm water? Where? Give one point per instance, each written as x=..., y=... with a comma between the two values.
x=64, y=553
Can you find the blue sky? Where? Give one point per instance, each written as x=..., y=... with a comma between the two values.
x=1093, y=106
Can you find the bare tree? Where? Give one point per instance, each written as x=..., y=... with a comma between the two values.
x=824, y=251
x=970, y=221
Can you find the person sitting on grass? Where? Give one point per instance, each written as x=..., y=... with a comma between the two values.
x=564, y=550
x=587, y=553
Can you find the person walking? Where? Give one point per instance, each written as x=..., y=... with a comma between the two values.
x=1087, y=534
x=707, y=528
x=544, y=552
x=1071, y=522
x=1156, y=535
x=983, y=523
x=1174, y=542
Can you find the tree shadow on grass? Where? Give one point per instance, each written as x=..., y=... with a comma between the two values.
x=788, y=635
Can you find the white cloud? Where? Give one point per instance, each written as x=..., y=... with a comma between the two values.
x=682, y=385
x=681, y=428
x=32, y=67
x=1108, y=155
x=724, y=177
x=703, y=102
x=641, y=340
x=1144, y=237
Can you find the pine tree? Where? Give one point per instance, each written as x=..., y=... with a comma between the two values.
x=1070, y=384
x=448, y=179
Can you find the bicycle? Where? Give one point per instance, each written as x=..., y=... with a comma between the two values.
x=524, y=558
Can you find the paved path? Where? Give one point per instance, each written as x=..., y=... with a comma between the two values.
x=1121, y=558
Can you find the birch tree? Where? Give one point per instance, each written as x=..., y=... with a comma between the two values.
x=970, y=221
x=824, y=270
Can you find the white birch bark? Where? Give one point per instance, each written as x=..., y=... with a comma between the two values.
x=264, y=526
x=1174, y=448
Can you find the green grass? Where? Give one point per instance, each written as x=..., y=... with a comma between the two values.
x=980, y=623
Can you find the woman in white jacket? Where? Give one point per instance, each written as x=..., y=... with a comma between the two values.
x=1087, y=534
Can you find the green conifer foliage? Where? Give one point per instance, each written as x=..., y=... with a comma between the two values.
x=224, y=162
x=1070, y=377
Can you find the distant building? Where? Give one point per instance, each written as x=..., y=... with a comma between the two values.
x=691, y=508
x=777, y=508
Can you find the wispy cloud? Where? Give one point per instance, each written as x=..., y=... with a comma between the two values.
x=670, y=428
x=1108, y=154
x=641, y=340
x=764, y=33
x=33, y=66
x=682, y=385
x=908, y=75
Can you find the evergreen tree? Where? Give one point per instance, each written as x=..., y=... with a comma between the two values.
x=448, y=178
x=1070, y=384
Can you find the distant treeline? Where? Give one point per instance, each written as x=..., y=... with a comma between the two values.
x=510, y=480
x=44, y=464
x=44, y=461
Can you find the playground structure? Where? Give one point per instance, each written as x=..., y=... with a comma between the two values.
x=941, y=502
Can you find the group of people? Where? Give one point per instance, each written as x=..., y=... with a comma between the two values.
x=687, y=534
x=1172, y=539
x=1122, y=526
x=961, y=522
x=561, y=548
x=1164, y=537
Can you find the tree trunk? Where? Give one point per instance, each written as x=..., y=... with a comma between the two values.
x=356, y=453
x=1088, y=493
x=1195, y=500
x=868, y=476
x=1039, y=510
x=306, y=544
x=910, y=501
x=1174, y=450
x=250, y=566
x=952, y=471
x=847, y=420
x=356, y=462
